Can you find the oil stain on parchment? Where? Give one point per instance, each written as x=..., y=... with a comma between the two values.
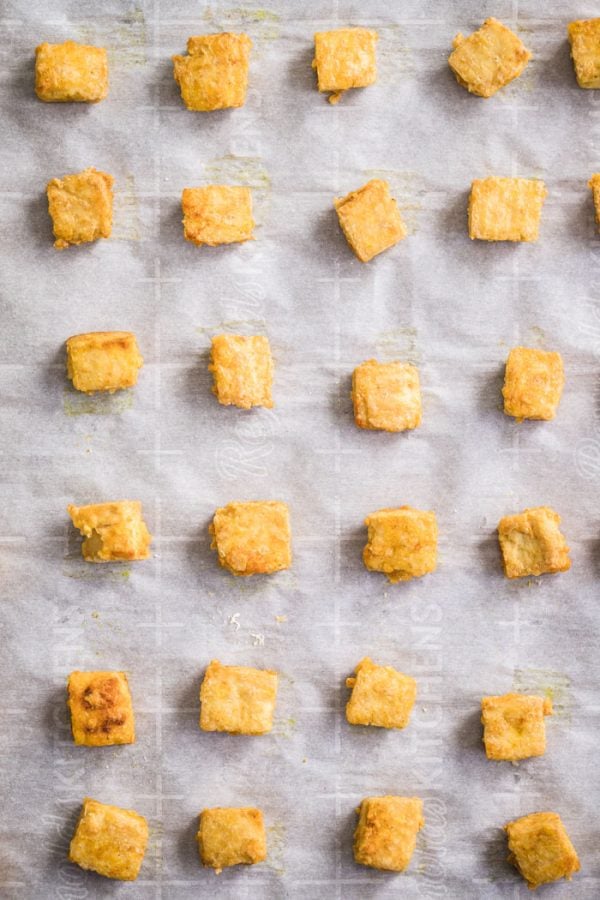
x=85, y=571
x=126, y=224
x=248, y=171
x=395, y=59
x=556, y=686
x=263, y=25
x=125, y=37
x=276, y=842
x=76, y=403
x=406, y=187
x=398, y=343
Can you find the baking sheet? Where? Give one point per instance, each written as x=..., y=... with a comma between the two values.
x=451, y=306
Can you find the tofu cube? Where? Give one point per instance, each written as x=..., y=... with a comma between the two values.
x=103, y=361
x=381, y=696
x=112, y=532
x=345, y=58
x=513, y=726
x=370, y=219
x=532, y=544
x=237, y=699
x=217, y=214
x=594, y=185
x=214, y=74
x=101, y=709
x=488, y=59
x=70, y=72
x=386, y=396
x=540, y=848
x=386, y=833
x=584, y=37
x=533, y=383
x=230, y=836
x=242, y=369
x=80, y=207
x=401, y=542
x=506, y=209
x=252, y=538
x=109, y=840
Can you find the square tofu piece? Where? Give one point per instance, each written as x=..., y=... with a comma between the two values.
x=112, y=532
x=540, y=848
x=252, y=538
x=594, y=184
x=237, y=699
x=101, y=708
x=242, y=368
x=345, y=58
x=514, y=727
x=71, y=72
x=386, y=833
x=533, y=383
x=109, y=840
x=506, y=209
x=217, y=214
x=401, y=542
x=103, y=361
x=80, y=207
x=214, y=74
x=488, y=59
x=532, y=544
x=386, y=396
x=370, y=219
x=584, y=37
x=230, y=836
x=381, y=696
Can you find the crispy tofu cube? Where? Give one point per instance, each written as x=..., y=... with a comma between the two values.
x=386, y=396
x=488, y=59
x=237, y=699
x=532, y=544
x=584, y=37
x=386, y=833
x=345, y=58
x=230, y=836
x=71, y=72
x=533, y=383
x=214, y=74
x=80, y=207
x=112, y=532
x=101, y=709
x=370, y=219
x=242, y=368
x=506, y=209
x=103, y=361
x=109, y=840
x=401, y=542
x=252, y=538
x=540, y=848
x=594, y=185
x=217, y=214
x=381, y=696
x=513, y=726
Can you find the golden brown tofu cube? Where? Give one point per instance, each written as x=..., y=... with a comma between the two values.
x=71, y=72
x=532, y=544
x=370, y=219
x=101, y=708
x=386, y=833
x=103, y=361
x=345, y=58
x=540, y=848
x=112, y=532
x=533, y=383
x=237, y=699
x=386, y=396
x=513, y=726
x=506, y=209
x=242, y=368
x=252, y=538
x=80, y=207
x=488, y=59
x=381, y=696
x=401, y=542
x=109, y=840
x=214, y=74
x=217, y=214
x=584, y=37
x=594, y=184
x=230, y=836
